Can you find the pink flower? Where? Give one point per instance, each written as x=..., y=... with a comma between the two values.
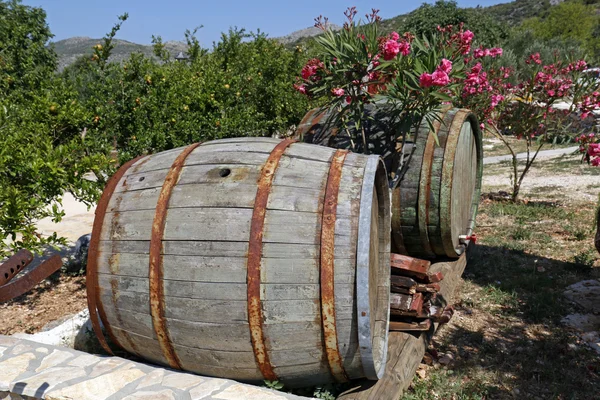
x=496, y=51
x=404, y=48
x=440, y=78
x=476, y=68
x=445, y=66
x=394, y=36
x=478, y=53
x=311, y=68
x=300, y=88
x=348, y=99
x=580, y=65
x=596, y=162
x=496, y=98
x=338, y=92
x=482, y=126
x=551, y=93
x=594, y=149
x=534, y=58
x=426, y=80
x=466, y=37
x=391, y=48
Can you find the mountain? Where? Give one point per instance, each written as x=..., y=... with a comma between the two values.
x=304, y=33
x=71, y=49
x=512, y=14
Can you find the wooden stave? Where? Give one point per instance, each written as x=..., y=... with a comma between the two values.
x=346, y=324
x=453, y=247
x=432, y=214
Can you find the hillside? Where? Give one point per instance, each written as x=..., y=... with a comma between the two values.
x=71, y=49
x=512, y=14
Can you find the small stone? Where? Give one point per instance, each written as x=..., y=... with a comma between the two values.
x=516, y=391
x=107, y=365
x=427, y=359
x=13, y=367
x=42, y=350
x=98, y=388
x=55, y=358
x=446, y=359
x=247, y=392
x=207, y=388
x=422, y=373
x=181, y=381
x=84, y=360
x=162, y=395
x=39, y=384
x=152, y=378
x=78, y=265
x=8, y=341
x=21, y=348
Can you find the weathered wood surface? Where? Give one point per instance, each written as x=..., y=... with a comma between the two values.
x=406, y=351
x=414, y=267
x=437, y=198
x=422, y=326
x=204, y=252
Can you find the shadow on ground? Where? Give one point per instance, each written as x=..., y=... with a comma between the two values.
x=506, y=338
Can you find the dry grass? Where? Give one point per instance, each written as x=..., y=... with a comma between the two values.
x=54, y=298
x=495, y=147
x=506, y=338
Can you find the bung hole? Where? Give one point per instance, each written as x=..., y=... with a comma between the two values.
x=224, y=172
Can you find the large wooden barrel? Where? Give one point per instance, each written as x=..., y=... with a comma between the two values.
x=436, y=201
x=249, y=259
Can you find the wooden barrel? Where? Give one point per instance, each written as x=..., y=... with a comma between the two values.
x=436, y=201
x=249, y=259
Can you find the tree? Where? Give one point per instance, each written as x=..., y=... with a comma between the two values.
x=43, y=152
x=569, y=20
x=426, y=19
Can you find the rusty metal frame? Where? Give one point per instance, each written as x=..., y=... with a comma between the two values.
x=92, y=263
x=15, y=264
x=332, y=351
x=155, y=268
x=255, y=244
x=30, y=279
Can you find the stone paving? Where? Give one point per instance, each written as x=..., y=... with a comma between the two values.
x=30, y=370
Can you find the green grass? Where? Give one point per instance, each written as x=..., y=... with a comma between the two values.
x=506, y=337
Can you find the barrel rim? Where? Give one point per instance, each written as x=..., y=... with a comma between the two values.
x=448, y=169
x=372, y=366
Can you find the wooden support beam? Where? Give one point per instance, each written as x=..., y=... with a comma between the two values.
x=400, y=302
x=403, y=284
x=410, y=326
x=434, y=278
x=405, y=351
x=414, y=267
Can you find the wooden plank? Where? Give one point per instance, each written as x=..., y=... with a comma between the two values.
x=428, y=288
x=402, y=290
x=403, y=281
x=400, y=302
x=434, y=278
x=417, y=303
x=408, y=266
x=406, y=351
x=410, y=326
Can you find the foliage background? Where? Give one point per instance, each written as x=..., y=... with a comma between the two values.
x=57, y=127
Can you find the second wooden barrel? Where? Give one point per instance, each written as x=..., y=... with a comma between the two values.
x=435, y=205
x=249, y=259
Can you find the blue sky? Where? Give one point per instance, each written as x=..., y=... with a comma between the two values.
x=170, y=19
